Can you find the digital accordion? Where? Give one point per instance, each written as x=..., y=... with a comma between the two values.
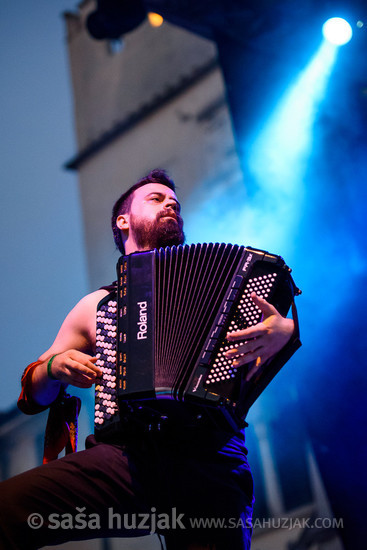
x=161, y=336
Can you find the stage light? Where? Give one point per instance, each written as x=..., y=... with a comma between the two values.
x=113, y=18
x=155, y=19
x=337, y=31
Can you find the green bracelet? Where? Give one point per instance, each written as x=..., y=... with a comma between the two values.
x=49, y=373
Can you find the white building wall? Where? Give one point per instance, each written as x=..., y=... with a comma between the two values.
x=172, y=138
x=108, y=87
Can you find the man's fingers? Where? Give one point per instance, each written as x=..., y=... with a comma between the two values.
x=88, y=369
x=74, y=375
x=244, y=359
x=246, y=334
x=260, y=328
x=85, y=360
x=247, y=348
x=264, y=306
x=76, y=368
x=92, y=367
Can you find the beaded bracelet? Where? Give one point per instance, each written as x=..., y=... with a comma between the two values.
x=49, y=373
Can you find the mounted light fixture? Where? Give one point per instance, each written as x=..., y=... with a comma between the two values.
x=337, y=31
x=155, y=19
x=114, y=18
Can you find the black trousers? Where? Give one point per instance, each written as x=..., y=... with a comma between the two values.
x=185, y=488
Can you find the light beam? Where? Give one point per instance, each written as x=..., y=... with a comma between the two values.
x=279, y=155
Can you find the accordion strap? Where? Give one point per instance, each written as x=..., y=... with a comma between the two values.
x=62, y=427
x=296, y=322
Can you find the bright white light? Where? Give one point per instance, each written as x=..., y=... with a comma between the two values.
x=337, y=31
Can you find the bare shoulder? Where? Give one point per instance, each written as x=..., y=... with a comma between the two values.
x=90, y=302
x=82, y=317
x=78, y=331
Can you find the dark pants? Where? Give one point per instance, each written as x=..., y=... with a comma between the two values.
x=151, y=484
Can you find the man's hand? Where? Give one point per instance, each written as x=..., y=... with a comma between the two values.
x=263, y=340
x=76, y=368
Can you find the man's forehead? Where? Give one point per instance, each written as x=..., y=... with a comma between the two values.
x=150, y=188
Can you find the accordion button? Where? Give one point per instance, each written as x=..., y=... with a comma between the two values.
x=237, y=281
x=216, y=332
x=222, y=320
x=205, y=358
x=227, y=307
x=211, y=344
x=232, y=294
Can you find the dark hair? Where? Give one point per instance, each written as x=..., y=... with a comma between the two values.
x=123, y=204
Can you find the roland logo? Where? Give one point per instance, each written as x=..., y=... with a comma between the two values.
x=247, y=263
x=143, y=321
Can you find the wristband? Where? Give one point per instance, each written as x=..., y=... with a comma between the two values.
x=49, y=373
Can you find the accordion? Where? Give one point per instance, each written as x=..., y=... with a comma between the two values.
x=161, y=337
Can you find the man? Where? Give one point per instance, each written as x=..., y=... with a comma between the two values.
x=171, y=477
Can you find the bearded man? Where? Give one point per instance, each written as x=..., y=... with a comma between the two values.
x=166, y=478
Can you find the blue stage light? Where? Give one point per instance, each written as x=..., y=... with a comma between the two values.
x=337, y=31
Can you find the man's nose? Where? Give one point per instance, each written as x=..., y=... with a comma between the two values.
x=171, y=204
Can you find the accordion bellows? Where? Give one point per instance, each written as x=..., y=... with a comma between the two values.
x=161, y=338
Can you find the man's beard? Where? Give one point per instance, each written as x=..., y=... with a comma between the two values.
x=158, y=233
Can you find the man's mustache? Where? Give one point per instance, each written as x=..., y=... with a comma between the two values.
x=170, y=214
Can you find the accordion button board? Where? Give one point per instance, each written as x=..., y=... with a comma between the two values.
x=106, y=406
x=162, y=336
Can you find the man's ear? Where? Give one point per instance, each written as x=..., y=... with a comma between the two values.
x=122, y=222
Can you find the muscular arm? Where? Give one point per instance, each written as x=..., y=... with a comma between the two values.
x=74, y=346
